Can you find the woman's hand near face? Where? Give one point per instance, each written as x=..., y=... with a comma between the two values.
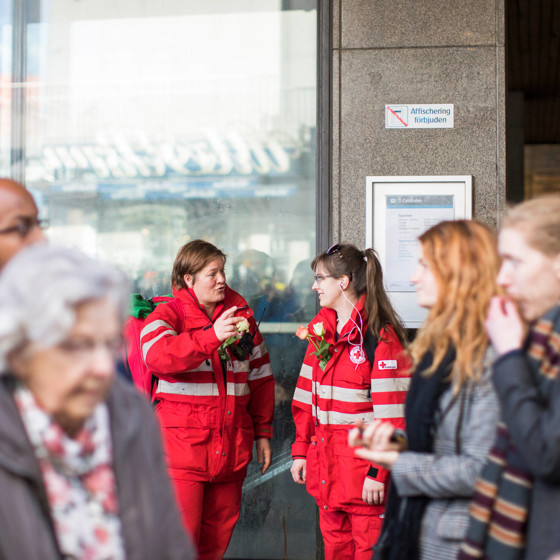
x=504, y=326
x=226, y=324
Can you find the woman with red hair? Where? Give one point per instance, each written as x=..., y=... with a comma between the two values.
x=451, y=409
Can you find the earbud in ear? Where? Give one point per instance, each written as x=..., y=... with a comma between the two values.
x=342, y=285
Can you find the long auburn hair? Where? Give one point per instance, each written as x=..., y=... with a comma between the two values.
x=365, y=273
x=463, y=257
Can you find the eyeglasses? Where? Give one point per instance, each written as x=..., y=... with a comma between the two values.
x=333, y=250
x=320, y=277
x=24, y=226
x=83, y=347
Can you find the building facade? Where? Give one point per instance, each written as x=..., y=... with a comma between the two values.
x=141, y=124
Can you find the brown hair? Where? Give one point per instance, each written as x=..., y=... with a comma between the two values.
x=539, y=219
x=364, y=270
x=191, y=259
x=463, y=257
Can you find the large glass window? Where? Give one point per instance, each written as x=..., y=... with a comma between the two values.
x=141, y=125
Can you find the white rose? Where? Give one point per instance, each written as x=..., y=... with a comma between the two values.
x=319, y=329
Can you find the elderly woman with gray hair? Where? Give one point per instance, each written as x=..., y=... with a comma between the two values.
x=82, y=473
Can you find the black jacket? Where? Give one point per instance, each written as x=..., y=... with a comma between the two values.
x=534, y=426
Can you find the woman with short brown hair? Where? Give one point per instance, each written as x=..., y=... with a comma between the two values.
x=215, y=393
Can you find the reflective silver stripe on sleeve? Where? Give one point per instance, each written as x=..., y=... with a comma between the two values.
x=258, y=351
x=146, y=347
x=390, y=384
x=389, y=411
x=154, y=325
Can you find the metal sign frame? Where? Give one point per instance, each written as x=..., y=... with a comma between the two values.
x=398, y=210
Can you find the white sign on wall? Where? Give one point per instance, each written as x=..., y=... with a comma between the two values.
x=398, y=211
x=419, y=116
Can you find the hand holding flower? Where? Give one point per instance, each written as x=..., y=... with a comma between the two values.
x=241, y=326
x=225, y=325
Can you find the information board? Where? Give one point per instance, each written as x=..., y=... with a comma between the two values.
x=398, y=211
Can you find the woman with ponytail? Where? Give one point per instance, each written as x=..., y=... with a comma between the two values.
x=451, y=408
x=354, y=371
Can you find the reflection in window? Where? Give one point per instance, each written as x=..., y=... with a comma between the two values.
x=141, y=125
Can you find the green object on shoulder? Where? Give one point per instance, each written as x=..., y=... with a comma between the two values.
x=140, y=307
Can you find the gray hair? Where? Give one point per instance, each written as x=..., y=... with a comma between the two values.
x=40, y=288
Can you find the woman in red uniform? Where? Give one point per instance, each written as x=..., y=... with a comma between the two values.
x=339, y=386
x=213, y=399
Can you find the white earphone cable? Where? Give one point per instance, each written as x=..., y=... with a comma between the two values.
x=360, y=327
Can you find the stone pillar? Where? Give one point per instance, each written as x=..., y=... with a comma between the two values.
x=408, y=52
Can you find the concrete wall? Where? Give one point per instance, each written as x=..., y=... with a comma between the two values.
x=416, y=51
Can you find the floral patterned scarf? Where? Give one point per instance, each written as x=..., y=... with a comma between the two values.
x=79, y=481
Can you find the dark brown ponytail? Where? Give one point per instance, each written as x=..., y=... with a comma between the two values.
x=379, y=309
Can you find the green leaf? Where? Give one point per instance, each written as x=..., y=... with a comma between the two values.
x=228, y=341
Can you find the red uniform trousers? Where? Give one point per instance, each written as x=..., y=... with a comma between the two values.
x=349, y=536
x=210, y=511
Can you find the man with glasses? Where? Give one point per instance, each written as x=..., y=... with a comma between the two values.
x=20, y=226
x=19, y=222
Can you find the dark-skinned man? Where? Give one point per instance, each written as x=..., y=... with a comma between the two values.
x=19, y=222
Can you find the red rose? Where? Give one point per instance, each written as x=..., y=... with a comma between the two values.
x=302, y=332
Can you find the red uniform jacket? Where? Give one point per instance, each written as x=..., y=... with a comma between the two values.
x=328, y=403
x=209, y=417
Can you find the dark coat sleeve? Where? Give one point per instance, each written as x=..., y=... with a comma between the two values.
x=534, y=424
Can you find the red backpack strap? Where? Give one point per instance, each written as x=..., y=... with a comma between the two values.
x=142, y=377
x=176, y=304
x=178, y=307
